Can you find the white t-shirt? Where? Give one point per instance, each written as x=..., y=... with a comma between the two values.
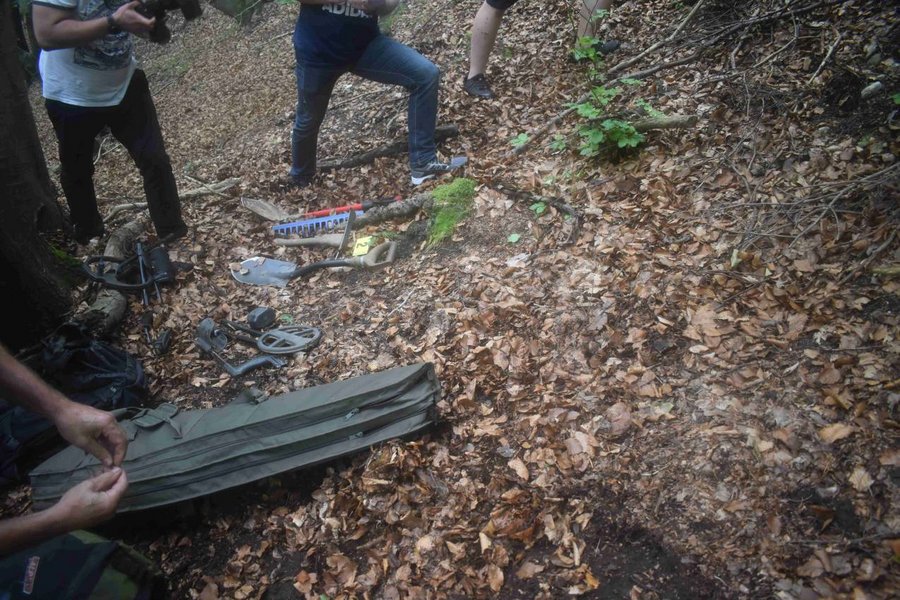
x=95, y=74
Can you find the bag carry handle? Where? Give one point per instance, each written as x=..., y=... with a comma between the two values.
x=149, y=418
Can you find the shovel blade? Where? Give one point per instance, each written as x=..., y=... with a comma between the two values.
x=266, y=210
x=261, y=270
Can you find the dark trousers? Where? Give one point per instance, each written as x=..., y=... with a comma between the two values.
x=134, y=123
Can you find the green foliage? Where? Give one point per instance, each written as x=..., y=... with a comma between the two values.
x=609, y=132
x=586, y=49
x=596, y=134
x=631, y=81
x=649, y=109
x=559, y=143
x=452, y=203
x=896, y=98
x=513, y=238
x=519, y=140
x=538, y=208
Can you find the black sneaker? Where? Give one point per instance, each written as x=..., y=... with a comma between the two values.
x=295, y=182
x=600, y=47
x=435, y=168
x=83, y=235
x=478, y=86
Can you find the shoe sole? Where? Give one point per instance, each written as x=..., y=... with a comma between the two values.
x=455, y=163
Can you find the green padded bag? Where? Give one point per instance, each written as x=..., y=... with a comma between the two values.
x=175, y=455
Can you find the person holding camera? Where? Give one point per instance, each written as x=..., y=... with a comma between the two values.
x=333, y=38
x=90, y=80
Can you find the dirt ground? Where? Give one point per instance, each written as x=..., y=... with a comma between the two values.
x=688, y=390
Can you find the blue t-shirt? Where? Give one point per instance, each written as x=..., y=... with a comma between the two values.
x=333, y=34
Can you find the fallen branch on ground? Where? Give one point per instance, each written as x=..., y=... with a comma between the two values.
x=211, y=188
x=203, y=190
x=665, y=122
x=531, y=197
x=400, y=146
x=394, y=210
x=108, y=308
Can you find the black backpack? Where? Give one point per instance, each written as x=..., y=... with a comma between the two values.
x=86, y=370
x=80, y=566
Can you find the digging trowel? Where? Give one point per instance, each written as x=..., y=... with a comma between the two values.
x=261, y=270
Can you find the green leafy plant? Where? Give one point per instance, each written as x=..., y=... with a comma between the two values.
x=452, y=203
x=586, y=49
x=558, y=144
x=538, y=208
x=896, y=98
x=609, y=132
x=640, y=102
x=519, y=140
x=513, y=238
x=596, y=134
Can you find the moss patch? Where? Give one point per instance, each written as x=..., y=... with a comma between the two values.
x=452, y=203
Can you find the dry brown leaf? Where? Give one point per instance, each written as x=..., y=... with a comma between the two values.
x=210, y=591
x=529, y=570
x=519, y=467
x=619, y=418
x=834, y=432
x=861, y=480
x=304, y=581
x=495, y=577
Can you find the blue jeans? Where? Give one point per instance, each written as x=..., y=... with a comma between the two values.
x=384, y=60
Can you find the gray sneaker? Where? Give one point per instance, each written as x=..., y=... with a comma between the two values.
x=422, y=174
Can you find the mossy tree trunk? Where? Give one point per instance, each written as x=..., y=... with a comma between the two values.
x=34, y=296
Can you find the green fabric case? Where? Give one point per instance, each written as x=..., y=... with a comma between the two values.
x=176, y=455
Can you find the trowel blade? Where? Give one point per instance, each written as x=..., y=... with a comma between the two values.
x=261, y=270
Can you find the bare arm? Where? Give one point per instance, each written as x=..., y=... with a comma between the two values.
x=57, y=28
x=92, y=430
x=86, y=504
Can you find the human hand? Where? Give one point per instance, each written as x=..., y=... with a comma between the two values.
x=91, y=501
x=129, y=19
x=94, y=431
x=367, y=5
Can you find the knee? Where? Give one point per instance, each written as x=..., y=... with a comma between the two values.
x=429, y=75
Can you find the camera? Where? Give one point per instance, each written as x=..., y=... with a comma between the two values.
x=160, y=34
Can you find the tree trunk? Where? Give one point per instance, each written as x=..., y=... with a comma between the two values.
x=34, y=296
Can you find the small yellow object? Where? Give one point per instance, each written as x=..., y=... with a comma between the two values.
x=362, y=246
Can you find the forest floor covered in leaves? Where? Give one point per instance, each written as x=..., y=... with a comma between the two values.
x=668, y=372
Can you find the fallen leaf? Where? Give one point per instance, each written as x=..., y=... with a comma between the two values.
x=519, y=467
x=860, y=480
x=528, y=570
x=619, y=417
x=495, y=577
x=837, y=431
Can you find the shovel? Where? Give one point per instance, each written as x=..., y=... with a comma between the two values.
x=261, y=270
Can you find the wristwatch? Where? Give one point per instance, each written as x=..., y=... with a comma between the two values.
x=111, y=26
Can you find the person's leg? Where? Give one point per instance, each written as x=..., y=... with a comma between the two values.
x=135, y=124
x=484, y=34
x=388, y=61
x=314, y=87
x=76, y=127
x=586, y=11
